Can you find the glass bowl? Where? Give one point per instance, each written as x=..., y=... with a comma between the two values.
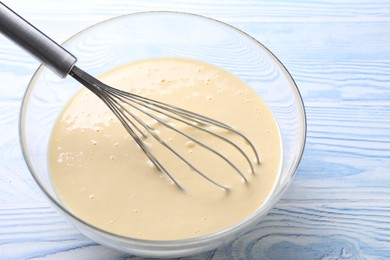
x=121, y=40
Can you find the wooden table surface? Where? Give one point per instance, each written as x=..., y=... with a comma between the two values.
x=338, y=206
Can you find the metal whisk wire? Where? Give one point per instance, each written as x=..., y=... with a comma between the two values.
x=120, y=103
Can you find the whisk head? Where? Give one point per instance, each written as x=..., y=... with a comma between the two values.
x=131, y=110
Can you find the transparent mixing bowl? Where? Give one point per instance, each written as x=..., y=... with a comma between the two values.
x=128, y=38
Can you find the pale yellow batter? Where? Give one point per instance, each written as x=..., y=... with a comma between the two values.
x=104, y=178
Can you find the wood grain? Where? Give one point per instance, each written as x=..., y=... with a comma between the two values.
x=338, y=206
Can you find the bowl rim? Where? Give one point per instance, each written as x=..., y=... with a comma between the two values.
x=161, y=244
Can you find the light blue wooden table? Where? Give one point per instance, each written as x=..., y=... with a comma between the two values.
x=338, y=206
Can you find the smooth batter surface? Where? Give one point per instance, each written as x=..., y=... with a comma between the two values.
x=104, y=178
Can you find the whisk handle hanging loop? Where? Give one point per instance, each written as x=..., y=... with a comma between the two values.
x=35, y=42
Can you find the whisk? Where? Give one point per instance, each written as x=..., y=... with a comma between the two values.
x=127, y=106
